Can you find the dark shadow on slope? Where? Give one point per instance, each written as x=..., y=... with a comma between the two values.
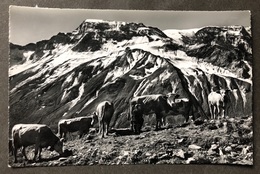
x=122, y=132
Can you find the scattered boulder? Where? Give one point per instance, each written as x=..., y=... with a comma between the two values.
x=164, y=157
x=148, y=154
x=180, y=153
x=180, y=140
x=190, y=160
x=62, y=159
x=228, y=149
x=194, y=147
x=214, y=147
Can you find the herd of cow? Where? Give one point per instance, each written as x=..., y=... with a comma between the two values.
x=24, y=135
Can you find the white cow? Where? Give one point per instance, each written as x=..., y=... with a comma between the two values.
x=105, y=111
x=40, y=135
x=218, y=103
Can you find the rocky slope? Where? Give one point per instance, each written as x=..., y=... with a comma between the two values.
x=226, y=141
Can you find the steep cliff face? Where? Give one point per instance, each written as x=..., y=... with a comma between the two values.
x=115, y=61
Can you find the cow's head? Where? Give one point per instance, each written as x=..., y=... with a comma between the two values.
x=171, y=98
x=58, y=147
x=94, y=119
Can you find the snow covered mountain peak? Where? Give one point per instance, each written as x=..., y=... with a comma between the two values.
x=110, y=60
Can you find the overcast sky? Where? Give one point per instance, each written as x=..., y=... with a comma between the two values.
x=29, y=24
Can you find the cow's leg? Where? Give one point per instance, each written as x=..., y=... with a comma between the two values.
x=163, y=121
x=24, y=153
x=133, y=122
x=186, y=117
x=225, y=109
x=15, y=154
x=214, y=112
x=40, y=151
x=64, y=135
x=218, y=112
x=80, y=134
x=158, y=121
x=59, y=131
x=132, y=126
x=141, y=121
x=103, y=129
x=36, y=151
x=14, y=145
x=211, y=111
x=107, y=128
x=99, y=127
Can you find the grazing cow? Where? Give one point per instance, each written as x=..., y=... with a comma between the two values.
x=105, y=111
x=39, y=135
x=155, y=103
x=78, y=124
x=218, y=103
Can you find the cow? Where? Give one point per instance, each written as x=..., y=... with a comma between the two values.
x=40, y=135
x=78, y=124
x=155, y=103
x=105, y=111
x=181, y=106
x=219, y=103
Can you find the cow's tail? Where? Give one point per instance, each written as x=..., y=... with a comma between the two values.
x=13, y=143
x=60, y=131
x=192, y=111
x=102, y=114
x=58, y=134
x=129, y=111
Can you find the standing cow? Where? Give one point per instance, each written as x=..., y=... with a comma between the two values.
x=40, y=135
x=180, y=106
x=219, y=103
x=105, y=111
x=78, y=124
x=155, y=103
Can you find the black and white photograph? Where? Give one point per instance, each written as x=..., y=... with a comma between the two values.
x=118, y=87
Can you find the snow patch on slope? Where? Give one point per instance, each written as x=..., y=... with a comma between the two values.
x=76, y=100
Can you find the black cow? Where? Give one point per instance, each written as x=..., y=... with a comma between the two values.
x=181, y=106
x=156, y=103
